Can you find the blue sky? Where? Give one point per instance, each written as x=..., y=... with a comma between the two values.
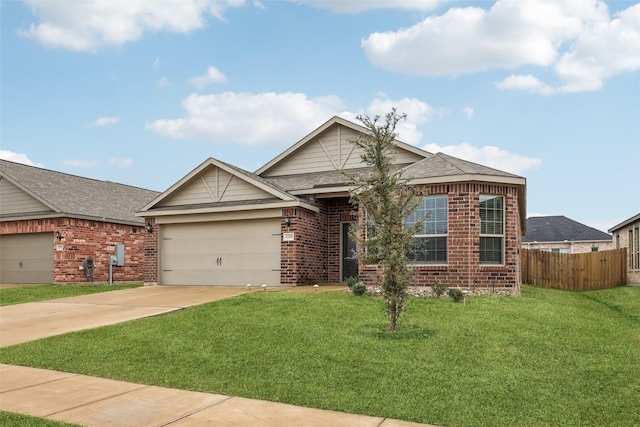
x=142, y=92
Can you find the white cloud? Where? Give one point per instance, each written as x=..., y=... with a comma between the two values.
x=163, y=82
x=576, y=39
x=418, y=113
x=211, y=76
x=488, y=156
x=156, y=62
x=469, y=112
x=18, y=158
x=120, y=162
x=279, y=118
x=81, y=163
x=89, y=24
x=359, y=6
x=245, y=118
x=528, y=82
x=106, y=121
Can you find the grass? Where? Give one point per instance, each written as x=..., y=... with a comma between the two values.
x=12, y=419
x=34, y=293
x=547, y=358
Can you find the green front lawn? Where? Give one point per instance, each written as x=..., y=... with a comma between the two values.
x=12, y=419
x=548, y=358
x=34, y=293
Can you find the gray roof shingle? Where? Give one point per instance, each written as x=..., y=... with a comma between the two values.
x=560, y=228
x=78, y=196
x=441, y=164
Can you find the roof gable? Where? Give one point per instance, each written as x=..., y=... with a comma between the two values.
x=560, y=229
x=76, y=196
x=214, y=182
x=330, y=148
x=16, y=200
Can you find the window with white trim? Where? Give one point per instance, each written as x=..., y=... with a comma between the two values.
x=430, y=241
x=491, y=230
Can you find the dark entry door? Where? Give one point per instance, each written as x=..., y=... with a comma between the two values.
x=348, y=249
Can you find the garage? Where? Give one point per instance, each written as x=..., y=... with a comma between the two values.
x=26, y=258
x=221, y=253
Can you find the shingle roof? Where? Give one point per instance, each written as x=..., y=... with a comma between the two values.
x=77, y=196
x=560, y=228
x=441, y=164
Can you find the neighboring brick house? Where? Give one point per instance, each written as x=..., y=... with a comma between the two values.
x=51, y=222
x=563, y=235
x=627, y=235
x=288, y=223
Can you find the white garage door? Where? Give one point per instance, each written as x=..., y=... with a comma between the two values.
x=221, y=253
x=26, y=258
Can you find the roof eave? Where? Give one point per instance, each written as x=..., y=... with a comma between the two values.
x=277, y=205
x=624, y=223
x=70, y=215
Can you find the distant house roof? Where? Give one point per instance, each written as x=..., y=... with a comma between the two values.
x=560, y=229
x=75, y=196
x=625, y=223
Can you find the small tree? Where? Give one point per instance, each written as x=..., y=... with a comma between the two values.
x=384, y=199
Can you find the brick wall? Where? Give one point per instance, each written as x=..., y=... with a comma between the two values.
x=571, y=247
x=304, y=260
x=83, y=238
x=463, y=268
x=150, y=253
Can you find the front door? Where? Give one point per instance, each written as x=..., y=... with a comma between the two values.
x=348, y=250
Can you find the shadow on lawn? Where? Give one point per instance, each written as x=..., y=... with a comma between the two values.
x=402, y=333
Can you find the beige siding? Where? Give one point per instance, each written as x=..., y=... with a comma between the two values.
x=332, y=150
x=215, y=185
x=15, y=201
x=221, y=253
x=26, y=258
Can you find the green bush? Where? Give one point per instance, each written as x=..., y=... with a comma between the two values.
x=439, y=288
x=351, y=281
x=456, y=295
x=359, y=288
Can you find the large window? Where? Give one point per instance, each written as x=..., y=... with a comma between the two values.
x=430, y=242
x=491, y=229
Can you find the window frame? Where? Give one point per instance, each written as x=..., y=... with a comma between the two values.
x=437, y=223
x=484, y=225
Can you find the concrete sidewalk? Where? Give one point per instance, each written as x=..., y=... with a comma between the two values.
x=93, y=401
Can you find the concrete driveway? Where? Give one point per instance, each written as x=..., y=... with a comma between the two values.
x=27, y=322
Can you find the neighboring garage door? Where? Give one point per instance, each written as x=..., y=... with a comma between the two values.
x=26, y=258
x=221, y=253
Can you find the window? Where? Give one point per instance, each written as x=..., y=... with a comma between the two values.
x=430, y=241
x=634, y=248
x=491, y=229
x=631, y=250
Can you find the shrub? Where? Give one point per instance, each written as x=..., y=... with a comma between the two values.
x=358, y=288
x=351, y=281
x=456, y=295
x=439, y=288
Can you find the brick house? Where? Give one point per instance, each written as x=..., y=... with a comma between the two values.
x=627, y=235
x=563, y=235
x=288, y=223
x=52, y=222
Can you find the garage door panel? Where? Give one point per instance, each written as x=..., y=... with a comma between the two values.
x=26, y=258
x=221, y=253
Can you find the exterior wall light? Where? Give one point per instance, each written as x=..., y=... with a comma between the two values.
x=58, y=235
x=149, y=228
x=287, y=221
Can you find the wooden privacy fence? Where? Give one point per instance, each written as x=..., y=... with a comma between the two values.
x=591, y=270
